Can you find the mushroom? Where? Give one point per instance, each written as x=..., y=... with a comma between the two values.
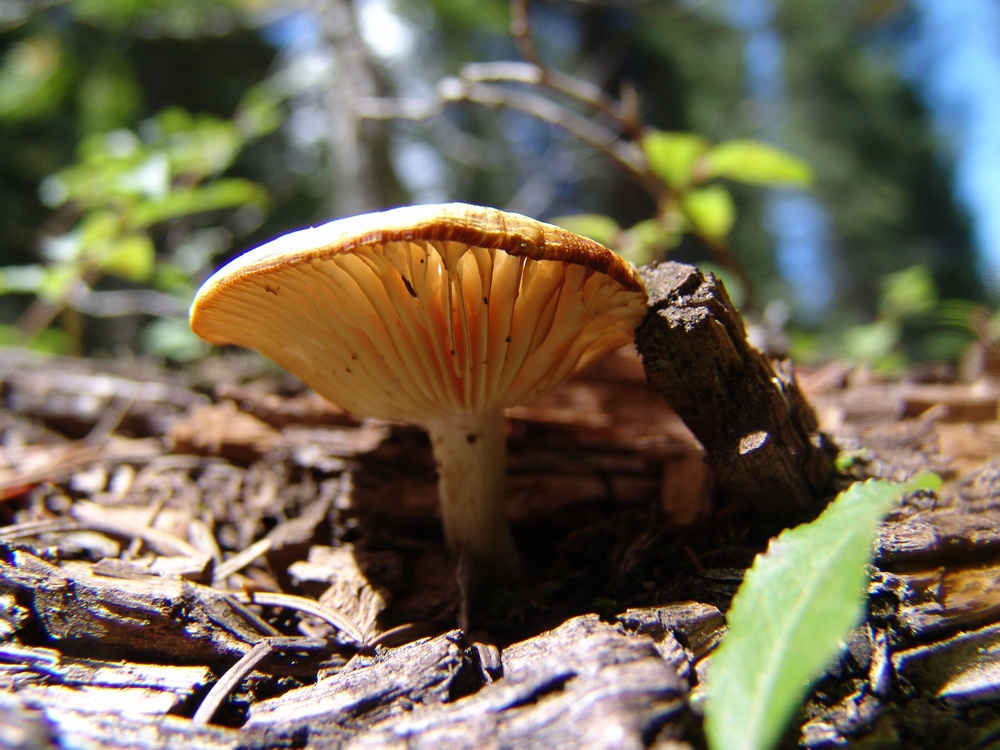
x=441, y=316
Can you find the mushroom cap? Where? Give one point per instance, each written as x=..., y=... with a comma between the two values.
x=417, y=313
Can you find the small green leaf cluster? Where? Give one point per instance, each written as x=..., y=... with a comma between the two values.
x=689, y=170
x=913, y=323
x=791, y=616
x=123, y=186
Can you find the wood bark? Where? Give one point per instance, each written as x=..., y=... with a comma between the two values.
x=111, y=636
x=761, y=436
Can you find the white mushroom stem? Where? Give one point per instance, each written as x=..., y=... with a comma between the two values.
x=471, y=455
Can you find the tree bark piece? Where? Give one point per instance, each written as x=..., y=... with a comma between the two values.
x=52, y=726
x=941, y=599
x=760, y=435
x=946, y=535
x=961, y=671
x=583, y=685
x=76, y=393
x=169, y=619
x=368, y=689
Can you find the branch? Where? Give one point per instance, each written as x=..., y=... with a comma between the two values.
x=460, y=90
x=580, y=91
x=119, y=304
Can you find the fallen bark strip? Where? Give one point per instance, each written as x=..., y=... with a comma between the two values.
x=168, y=619
x=44, y=726
x=582, y=685
x=48, y=664
x=369, y=689
x=760, y=435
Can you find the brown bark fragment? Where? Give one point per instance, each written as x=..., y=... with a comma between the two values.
x=582, y=685
x=146, y=617
x=369, y=688
x=760, y=435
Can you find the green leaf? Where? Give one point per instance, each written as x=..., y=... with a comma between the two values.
x=597, y=227
x=174, y=340
x=672, y=156
x=956, y=313
x=222, y=193
x=790, y=616
x=647, y=241
x=172, y=279
x=58, y=280
x=14, y=279
x=872, y=341
x=197, y=145
x=49, y=341
x=33, y=78
x=132, y=257
x=710, y=211
x=488, y=15
x=757, y=163
x=109, y=96
x=911, y=291
x=258, y=112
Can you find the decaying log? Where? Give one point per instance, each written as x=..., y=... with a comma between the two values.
x=760, y=435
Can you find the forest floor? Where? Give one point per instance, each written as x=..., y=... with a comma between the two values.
x=219, y=558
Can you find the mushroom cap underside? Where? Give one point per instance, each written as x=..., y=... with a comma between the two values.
x=423, y=312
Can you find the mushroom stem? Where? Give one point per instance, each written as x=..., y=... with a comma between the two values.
x=471, y=454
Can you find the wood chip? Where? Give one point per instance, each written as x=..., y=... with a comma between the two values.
x=942, y=599
x=222, y=430
x=962, y=670
x=378, y=687
x=349, y=590
x=582, y=685
x=151, y=618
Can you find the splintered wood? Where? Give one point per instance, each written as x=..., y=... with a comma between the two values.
x=255, y=568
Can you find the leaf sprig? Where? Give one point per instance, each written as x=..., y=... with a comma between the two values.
x=790, y=617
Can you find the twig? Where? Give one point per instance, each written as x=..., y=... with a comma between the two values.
x=520, y=29
x=120, y=303
x=302, y=604
x=576, y=89
x=233, y=676
x=252, y=619
x=158, y=541
x=476, y=84
x=135, y=546
x=454, y=90
x=41, y=312
x=582, y=91
x=605, y=139
x=240, y=560
x=109, y=421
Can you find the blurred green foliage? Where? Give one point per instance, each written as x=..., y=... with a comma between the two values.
x=913, y=324
x=141, y=141
x=687, y=164
x=120, y=188
x=113, y=206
